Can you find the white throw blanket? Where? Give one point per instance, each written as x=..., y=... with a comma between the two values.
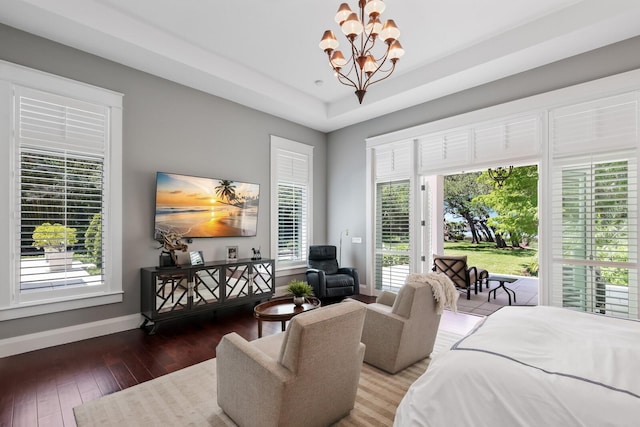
x=444, y=291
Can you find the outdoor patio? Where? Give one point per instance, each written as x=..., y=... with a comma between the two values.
x=526, y=289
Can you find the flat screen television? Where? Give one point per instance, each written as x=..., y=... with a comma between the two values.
x=194, y=206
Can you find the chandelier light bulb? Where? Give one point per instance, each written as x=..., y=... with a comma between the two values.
x=328, y=42
x=337, y=60
x=370, y=65
x=374, y=8
x=374, y=26
x=395, y=51
x=390, y=32
x=352, y=27
x=343, y=13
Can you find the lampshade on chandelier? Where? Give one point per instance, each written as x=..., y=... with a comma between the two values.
x=364, y=68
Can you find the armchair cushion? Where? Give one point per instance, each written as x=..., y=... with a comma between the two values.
x=338, y=280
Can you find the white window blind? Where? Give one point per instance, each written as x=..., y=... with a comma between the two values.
x=393, y=215
x=603, y=125
x=393, y=232
x=61, y=146
x=444, y=150
x=595, y=206
x=393, y=161
x=509, y=139
x=293, y=181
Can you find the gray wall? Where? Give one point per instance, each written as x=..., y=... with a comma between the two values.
x=346, y=180
x=171, y=128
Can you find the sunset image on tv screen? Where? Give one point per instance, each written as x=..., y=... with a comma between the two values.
x=205, y=207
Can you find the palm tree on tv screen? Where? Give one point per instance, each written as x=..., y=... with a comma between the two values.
x=226, y=190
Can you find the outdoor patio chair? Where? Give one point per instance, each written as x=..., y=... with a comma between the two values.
x=461, y=275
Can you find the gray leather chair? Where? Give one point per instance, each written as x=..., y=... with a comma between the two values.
x=326, y=277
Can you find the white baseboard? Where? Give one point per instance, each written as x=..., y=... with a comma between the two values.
x=39, y=340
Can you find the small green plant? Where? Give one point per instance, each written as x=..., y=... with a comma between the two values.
x=531, y=268
x=298, y=288
x=56, y=236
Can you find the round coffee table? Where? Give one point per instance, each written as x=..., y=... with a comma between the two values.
x=281, y=309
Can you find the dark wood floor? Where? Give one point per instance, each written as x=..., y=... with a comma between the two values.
x=40, y=388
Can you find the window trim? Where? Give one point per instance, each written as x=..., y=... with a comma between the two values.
x=279, y=144
x=12, y=75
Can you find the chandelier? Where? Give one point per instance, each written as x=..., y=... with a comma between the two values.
x=364, y=68
x=500, y=175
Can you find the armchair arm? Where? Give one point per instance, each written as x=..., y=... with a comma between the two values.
x=247, y=374
x=316, y=278
x=473, y=272
x=387, y=298
x=353, y=272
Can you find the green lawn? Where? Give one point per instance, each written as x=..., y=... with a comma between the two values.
x=497, y=261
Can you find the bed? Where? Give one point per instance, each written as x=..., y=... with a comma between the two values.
x=531, y=366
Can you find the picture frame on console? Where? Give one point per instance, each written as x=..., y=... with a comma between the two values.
x=232, y=253
x=196, y=258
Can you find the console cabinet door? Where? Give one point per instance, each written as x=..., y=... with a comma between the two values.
x=263, y=278
x=170, y=293
x=237, y=281
x=207, y=287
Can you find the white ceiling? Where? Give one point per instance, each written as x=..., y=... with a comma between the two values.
x=265, y=54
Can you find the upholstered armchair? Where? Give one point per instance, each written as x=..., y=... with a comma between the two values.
x=306, y=376
x=400, y=329
x=463, y=277
x=326, y=277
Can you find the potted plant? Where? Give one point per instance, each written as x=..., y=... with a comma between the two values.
x=54, y=239
x=299, y=290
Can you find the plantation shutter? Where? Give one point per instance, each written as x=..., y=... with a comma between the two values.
x=595, y=206
x=61, y=154
x=479, y=144
x=293, y=182
x=444, y=150
x=509, y=139
x=393, y=218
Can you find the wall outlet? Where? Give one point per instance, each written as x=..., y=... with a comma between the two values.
x=356, y=240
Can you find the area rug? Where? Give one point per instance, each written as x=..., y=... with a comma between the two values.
x=188, y=397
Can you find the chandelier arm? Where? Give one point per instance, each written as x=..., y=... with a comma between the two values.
x=354, y=67
x=339, y=75
x=387, y=72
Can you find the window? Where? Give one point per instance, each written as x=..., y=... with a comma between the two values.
x=392, y=234
x=595, y=247
x=595, y=206
x=393, y=204
x=65, y=195
x=291, y=183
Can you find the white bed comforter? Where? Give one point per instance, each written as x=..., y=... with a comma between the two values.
x=532, y=366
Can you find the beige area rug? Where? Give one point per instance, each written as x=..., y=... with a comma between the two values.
x=188, y=397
